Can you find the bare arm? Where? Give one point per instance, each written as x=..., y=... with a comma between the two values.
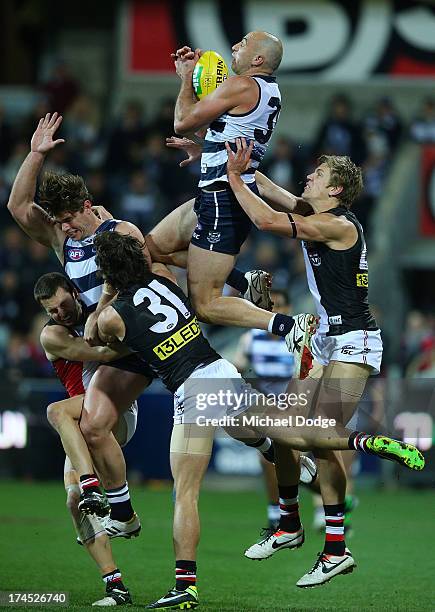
x=316, y=228
x=58, y=343
x=110, y=325
x=279, y=198
x=238, y=93
x=29, y=216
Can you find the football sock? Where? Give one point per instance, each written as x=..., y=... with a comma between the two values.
x=263, y=444
x=120, y=504
x=89, y=483
x=237, y=280
x=114, y=580
x=185, y=574
x=334, y=530
x=358, y=441
x=280, y=324
x=273, y=514
x=289, y=508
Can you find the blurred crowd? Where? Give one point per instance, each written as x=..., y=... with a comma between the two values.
x=130, y=171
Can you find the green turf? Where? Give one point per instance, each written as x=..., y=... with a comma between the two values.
x=393, y=546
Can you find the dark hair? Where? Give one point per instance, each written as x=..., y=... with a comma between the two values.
x=344, y=173
x=47, y=285
x=121, y=259
x=60, y=193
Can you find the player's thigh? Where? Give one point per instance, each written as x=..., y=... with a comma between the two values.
x=173, y=232
x=190, y=453
x=207, y=272
x=109, y=394
x=343, y=385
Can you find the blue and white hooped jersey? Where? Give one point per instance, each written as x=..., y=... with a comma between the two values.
x=258, y=124
x=269, y=356
x=80, y=266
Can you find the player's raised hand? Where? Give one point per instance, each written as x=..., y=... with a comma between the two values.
x=185, y=63
x=185, y=52
x=102, y=213
x=239, y=161
x=192, y=149
x=43, y=138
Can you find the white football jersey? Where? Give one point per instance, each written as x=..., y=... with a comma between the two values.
x=258, y=125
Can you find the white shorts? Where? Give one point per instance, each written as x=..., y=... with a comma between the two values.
x=127, y=425
x=354, y=347
x=196, y=397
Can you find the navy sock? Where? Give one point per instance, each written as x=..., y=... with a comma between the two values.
x=120, y=503
x=237, y=280
x=282, y=324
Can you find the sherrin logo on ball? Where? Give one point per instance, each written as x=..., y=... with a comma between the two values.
x=209, y=72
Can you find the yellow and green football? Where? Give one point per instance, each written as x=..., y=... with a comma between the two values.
x=209, y=72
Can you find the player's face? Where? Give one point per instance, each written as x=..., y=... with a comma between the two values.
x=62, y=307
x=77, y=225
x=316, y=187
x=242, y=53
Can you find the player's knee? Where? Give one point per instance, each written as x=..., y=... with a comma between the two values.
x=54, y=414
x=92, y=432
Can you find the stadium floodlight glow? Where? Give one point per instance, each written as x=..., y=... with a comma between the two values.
x=13, y=430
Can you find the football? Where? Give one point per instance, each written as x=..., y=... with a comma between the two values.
x=210, y=71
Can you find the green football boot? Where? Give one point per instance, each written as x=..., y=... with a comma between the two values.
x=395, y=450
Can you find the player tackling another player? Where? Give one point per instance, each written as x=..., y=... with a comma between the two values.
x=75, y=362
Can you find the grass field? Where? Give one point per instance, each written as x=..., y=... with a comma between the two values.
x=393, y=546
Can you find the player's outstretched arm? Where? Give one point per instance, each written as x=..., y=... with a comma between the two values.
x=29, y=216
x=58, y=343
x=279, y=198
x=316, y=228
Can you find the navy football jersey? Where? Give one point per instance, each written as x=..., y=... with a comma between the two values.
x=161, y=327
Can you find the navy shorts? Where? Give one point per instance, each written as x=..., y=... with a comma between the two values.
x=223, y=225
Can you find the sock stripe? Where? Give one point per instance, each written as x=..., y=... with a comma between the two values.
x=118, y=498
x=118, y=491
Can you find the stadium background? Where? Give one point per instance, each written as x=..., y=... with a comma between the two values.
x=357, y=78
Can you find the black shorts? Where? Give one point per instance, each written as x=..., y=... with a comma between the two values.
x=132, y=363
x=223, y=225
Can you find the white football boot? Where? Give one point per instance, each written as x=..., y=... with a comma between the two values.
x=298, y=342
x=274, y=540
x=327, y=567
x=119, y=529
x=258, y=291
